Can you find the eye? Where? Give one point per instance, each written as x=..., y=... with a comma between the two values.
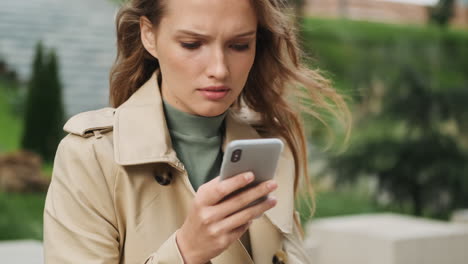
x=240, y=47
x=190, y=45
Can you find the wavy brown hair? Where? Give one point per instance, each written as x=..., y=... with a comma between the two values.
x=277, y=73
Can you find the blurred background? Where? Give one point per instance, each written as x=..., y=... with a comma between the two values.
x=402, y=65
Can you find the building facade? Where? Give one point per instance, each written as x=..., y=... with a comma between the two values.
x=83, y=35
x=388, y=11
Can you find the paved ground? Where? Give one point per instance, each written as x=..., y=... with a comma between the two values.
x=22, y=251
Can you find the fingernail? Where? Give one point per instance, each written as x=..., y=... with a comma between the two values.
x=273, y=200
x=249, y=176
x=272, y=185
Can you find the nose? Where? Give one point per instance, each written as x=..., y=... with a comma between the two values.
x=217, y=67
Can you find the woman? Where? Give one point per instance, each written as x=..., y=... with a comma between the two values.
x=137, y=183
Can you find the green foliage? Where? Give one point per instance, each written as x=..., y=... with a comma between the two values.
x=335, y=203
x=10, y=122
x=442, y=12
x=21, y=216
x=410, y=87
x=425, y=165
x=355, y=53
x=44, y=108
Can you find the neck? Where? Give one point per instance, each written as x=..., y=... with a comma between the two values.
x=185, y=123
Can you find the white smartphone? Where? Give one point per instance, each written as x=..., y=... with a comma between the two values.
x=259, y=156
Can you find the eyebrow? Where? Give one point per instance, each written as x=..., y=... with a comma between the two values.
x=195, y=34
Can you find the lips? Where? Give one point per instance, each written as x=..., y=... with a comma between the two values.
x=215, y=89
x=215, y=92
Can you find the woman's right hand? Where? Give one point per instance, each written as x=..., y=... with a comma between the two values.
x=213, y=224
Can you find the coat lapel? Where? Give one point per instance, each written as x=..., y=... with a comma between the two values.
x=235, y=254
x=140, y=132
x=265, y=240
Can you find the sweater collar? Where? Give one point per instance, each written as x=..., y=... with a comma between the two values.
x=193, y=125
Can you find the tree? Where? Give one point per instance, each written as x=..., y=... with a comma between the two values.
x=55, y=107
x=415, y=158
x=442, y=12
x=44, y=114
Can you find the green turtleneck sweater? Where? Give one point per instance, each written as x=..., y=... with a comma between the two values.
x=197, y=141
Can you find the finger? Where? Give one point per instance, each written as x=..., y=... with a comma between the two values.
x=241, y=200
x=248, y=214
x=239, y=231
x=215, y=190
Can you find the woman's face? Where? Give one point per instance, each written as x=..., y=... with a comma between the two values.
x=205, y=49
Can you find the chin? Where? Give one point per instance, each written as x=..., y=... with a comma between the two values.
x=212, y=110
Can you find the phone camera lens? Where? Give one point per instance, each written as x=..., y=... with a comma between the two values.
x=236, y=154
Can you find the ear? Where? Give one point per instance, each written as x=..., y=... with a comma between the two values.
x=148, y=36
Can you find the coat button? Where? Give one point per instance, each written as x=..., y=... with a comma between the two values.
x=280, y=257
x=163, y=178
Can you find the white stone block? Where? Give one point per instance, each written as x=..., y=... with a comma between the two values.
x=21, y=251
x=460, y=216
x=387, y=239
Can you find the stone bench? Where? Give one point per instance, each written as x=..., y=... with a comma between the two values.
x=386, y=239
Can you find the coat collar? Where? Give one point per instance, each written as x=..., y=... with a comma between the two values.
x=141, y=136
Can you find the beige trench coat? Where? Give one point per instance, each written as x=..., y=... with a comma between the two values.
x=107, y=204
